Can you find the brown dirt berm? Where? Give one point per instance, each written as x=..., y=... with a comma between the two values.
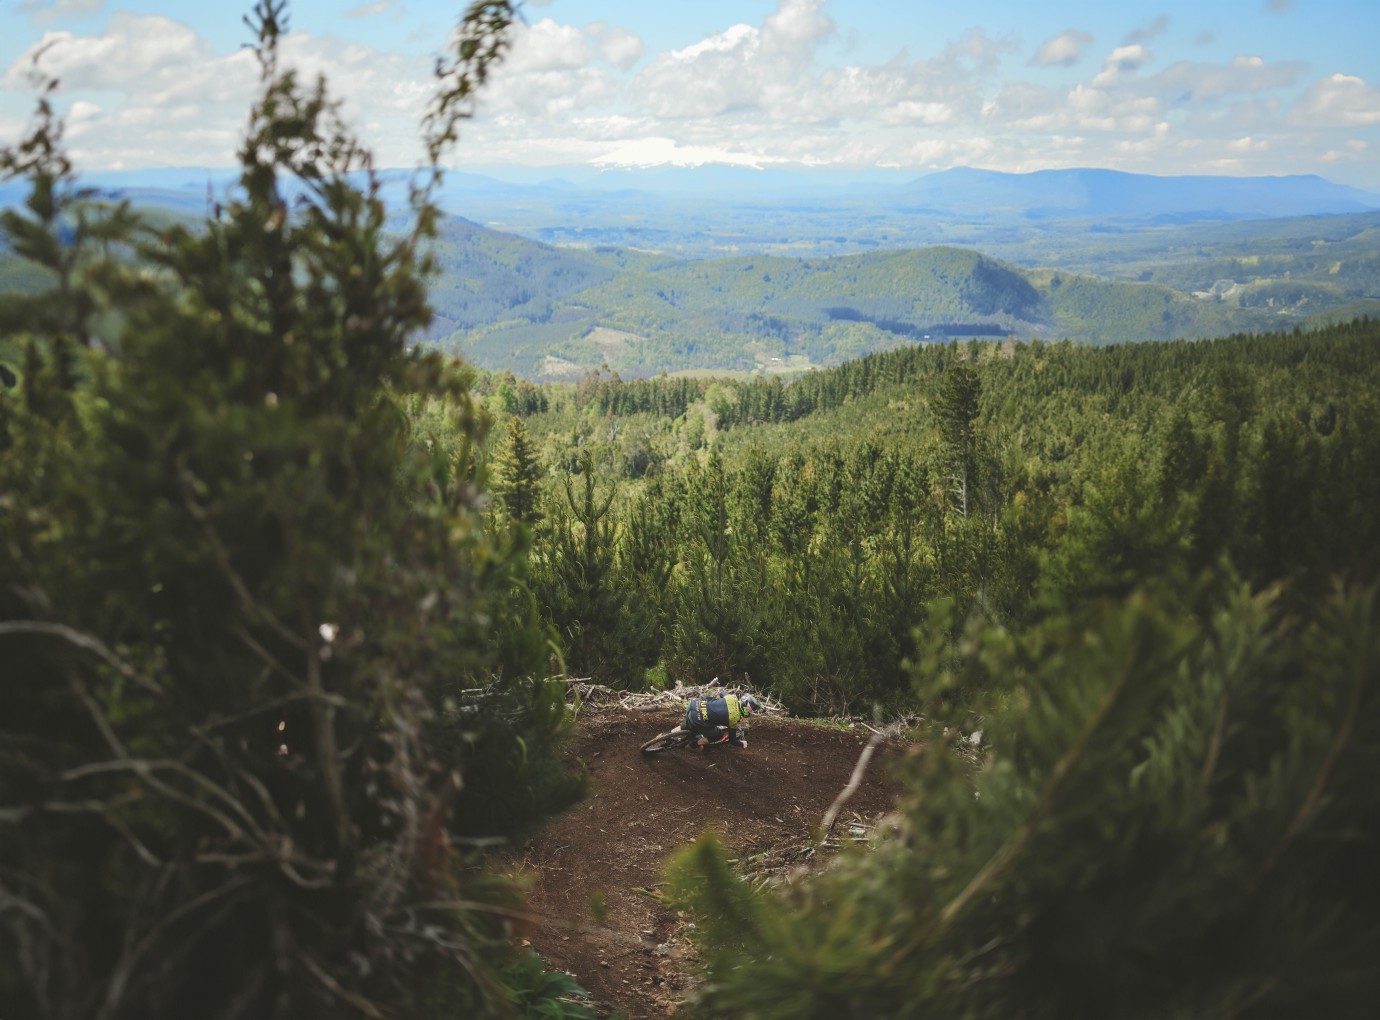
x=595, y=870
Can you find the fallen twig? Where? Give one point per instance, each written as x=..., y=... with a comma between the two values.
x=855, y=780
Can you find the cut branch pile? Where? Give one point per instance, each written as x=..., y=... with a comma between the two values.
x=582, y=692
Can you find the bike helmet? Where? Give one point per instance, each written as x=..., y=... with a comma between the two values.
x=749, y=704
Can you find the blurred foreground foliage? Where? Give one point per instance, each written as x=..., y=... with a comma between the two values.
x=268, y=687
x=1177, y=816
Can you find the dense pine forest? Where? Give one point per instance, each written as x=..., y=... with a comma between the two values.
x=1143, y=576
x=798, y=534
x=288, y=601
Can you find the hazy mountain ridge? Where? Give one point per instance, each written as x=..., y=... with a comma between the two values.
x=777, y=212
x=715, y=211
x=1116, y=196
x=1079, y=254
x=643, y=314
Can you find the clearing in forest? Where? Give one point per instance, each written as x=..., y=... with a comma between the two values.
x=595, y=870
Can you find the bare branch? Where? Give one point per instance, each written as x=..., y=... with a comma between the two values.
x=826, y=826
x=97, y=717
x=270, y=660
x=107, y=811
x=146, y=769
x=84, y=641
x=223, y=561
x=270, y=705
x=120, y=978
x=1006, y=856
x=333, y=986
x=327, y=749
x=1310, y=802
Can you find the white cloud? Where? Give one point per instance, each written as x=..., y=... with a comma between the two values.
x=1192, y=82
x=982, y=52
x=796, y=27
x=619, y=47
x=1062, y=50
x=1339, y=101
x=547, y=46
x=1355, y=149
x=1120, y=63
x=371, y=10
x=556, y=70
x=176, y=102
x=133, y=49
x=81, y=111
x=1094, y=109
x=147, y=91
x=910, y=111
x=742, y=67
x=1022, y=108
x=940, y=153
x=1146, y=144
x=708, y=77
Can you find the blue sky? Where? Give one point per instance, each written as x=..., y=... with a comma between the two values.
x=1170, y=87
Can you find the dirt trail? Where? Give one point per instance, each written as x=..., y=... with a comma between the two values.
x=640, y=810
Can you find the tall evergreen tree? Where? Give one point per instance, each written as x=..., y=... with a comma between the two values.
x=956, y=411
x=577, y=581
x=517, y=478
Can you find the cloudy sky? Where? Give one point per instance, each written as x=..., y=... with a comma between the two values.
x=1156, y=86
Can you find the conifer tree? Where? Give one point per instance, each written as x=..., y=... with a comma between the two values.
x=517, y=478
x=956, y=411
x=721, y=602
x=577, y=580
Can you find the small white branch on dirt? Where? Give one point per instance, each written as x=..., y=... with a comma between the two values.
x=855, y=780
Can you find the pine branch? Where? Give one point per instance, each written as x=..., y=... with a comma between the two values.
x=1310, y=802
x=1003, y=860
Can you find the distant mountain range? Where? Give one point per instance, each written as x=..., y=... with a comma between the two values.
x=719, y=269
x=1117, y=197
x=709, y=211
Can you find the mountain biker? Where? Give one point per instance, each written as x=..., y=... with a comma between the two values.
x=720, y=719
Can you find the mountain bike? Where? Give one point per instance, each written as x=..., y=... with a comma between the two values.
x=679, y=738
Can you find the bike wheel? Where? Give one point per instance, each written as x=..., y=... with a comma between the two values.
x=665, y=742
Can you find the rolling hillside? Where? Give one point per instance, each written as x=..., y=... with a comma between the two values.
x=545, y=312
x=510, y=303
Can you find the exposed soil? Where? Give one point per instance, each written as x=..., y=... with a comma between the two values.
x=764, y=802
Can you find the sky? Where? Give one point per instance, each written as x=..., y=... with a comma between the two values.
x=1240, y=87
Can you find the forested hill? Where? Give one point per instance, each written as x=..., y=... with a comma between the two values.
x=508, y=303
